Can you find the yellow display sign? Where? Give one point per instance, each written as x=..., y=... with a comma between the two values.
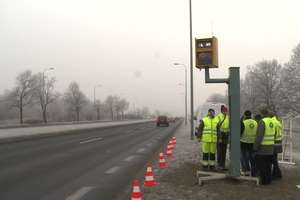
x=206, y=53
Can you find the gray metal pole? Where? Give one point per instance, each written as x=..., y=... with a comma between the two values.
x=191, y=69
x=235, y=129
x=185, y=107
x=234, y=114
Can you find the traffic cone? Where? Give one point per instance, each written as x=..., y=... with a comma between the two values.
x=171, y=144
x=149, y=179
x=136, y=193
x=174, y=140
x=162, y=162
x=170, y=152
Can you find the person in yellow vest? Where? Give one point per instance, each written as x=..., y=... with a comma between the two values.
x=223, y=135
x=207, y=134
x=264, y=146
x=276, y=172
x=248, y=135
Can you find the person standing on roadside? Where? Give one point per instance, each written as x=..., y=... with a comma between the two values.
x=276, y=172
x=248, y=135
x=207, y=135
x=223, y=135
x=264, y=146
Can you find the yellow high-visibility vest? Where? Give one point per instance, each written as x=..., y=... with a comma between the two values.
x=278, y=130
x=249, y=133
x=225, y=123
x=269, y=137
x=209, y=133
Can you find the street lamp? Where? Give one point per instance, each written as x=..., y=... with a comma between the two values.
x=97, y=108
x=185, y=83
x=191, y=70
x=99, y=85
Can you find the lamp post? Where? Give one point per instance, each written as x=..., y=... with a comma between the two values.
x=185, y=83
x=99, y=85
x=97, y=108
x=191, y=71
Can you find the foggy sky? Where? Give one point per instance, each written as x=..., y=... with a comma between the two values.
x=129, y=47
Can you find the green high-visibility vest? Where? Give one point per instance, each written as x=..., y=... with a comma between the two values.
x=225, y=123
x=269, y=137
x=209, y=133
x=278, y=130
x=249, y=133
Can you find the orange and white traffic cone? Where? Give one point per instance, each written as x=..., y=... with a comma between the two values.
x=162, y=162
x=136, y=193
x=149, y=179
x=170, y=146
x=174, y=140
x=170, y=152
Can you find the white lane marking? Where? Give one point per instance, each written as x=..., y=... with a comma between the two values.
x=112, y=170
x=79, y=193
x=149, y=144
x=141, y=150
x=91, y=140
x=129, y=158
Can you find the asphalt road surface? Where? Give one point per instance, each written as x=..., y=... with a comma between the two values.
x=94, y=164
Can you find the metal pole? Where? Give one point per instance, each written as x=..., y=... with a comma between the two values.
x=94, y=95
x=235, y=129
x=291, y=141
x=185, y=117
x=191, y=69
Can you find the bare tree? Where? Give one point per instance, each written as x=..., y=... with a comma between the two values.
x=75, y=98
x=124, y=105
x=45, y=93
x=117, y=106
x=23, y=94
x=261, y=85
x=110, y=104
x=290, y=85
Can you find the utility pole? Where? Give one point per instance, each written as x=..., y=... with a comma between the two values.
x=191, y=70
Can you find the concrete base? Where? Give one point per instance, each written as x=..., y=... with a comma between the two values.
x=204, y=176
x=286, y=162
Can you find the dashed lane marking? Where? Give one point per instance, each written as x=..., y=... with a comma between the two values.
x=129, y=158
x=141, y=150
x=79, y=193
x=112, y=170
x=91, y=140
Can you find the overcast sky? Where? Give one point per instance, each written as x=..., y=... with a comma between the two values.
x=129, y=46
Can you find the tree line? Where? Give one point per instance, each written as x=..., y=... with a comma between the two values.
x=269, y=83
x=34, y=100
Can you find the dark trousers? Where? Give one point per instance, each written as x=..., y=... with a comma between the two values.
x=222, y=149
x=276, y=172
x=248, y=161
x=264, y=163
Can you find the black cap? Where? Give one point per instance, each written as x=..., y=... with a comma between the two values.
x=248, y=113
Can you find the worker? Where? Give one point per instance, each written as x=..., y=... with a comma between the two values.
x=276, y=172
x=257, y=117
x=264, y=146
x=248, y=135
x=223, y=135
x=207, y=134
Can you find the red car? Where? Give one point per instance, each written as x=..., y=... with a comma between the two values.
x=162, y=120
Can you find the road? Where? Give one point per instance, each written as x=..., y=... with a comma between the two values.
x=87, y=165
